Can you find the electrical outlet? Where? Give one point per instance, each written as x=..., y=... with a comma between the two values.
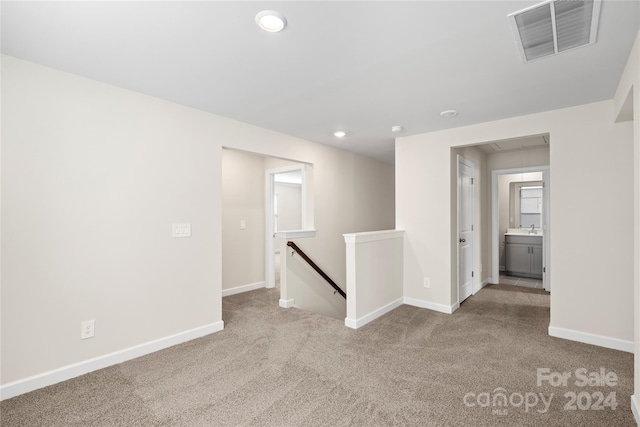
x=243, y=224
x=426, y=282
x=87, y=329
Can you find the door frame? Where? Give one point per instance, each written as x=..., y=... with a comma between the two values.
x=460, y=158
x=546, y=221
x=270, y=273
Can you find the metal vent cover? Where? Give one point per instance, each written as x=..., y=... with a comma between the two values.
x=555, y=26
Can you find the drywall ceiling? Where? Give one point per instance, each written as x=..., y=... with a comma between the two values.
x=358, y=66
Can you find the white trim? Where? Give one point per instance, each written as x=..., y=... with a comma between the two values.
x=587, y=338
x=296, y=234
x=286, y=303
x=243, y=288
x=358, y=323
x=285, y=169
x=64, y=373
x=372, y=236
x=634, y=409
x=431, y=305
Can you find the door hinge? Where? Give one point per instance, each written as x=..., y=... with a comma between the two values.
x=472, y=274
x=472, y=181
x=544, y=269
x=471, y=227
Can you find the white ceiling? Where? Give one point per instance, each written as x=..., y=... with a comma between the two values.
x=360, y=66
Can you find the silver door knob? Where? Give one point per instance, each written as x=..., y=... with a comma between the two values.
x=462, y=240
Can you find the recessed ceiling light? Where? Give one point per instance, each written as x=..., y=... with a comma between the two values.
x=340, y=134
x=271, y=21
x=397, y=129
x=449, y=113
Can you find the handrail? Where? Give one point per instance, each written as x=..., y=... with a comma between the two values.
x=317, y=269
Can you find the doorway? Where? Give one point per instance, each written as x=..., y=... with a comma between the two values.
x=285, y=204
x=526, y=201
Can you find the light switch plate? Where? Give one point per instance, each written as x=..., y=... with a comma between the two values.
x=181, y=230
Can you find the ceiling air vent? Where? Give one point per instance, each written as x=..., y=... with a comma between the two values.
x=555, y=26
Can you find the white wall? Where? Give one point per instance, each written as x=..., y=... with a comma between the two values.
x=289, y=205
x=93, y=176
x=514, y=159
x=588, y=152
x=242, y=200
x=629, y=89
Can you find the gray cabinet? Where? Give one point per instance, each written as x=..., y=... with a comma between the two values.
x=524, y=255
x=536, y=260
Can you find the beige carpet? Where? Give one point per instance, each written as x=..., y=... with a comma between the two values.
x=285, y=367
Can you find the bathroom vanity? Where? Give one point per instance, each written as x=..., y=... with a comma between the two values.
x=523, y=255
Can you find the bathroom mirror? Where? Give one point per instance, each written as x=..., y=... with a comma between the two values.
x=525, y=204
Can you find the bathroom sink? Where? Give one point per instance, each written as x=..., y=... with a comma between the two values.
x=522, y=232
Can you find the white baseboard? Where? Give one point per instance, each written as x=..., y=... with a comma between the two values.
x=634, y=409
x=243, y=288
x=358, y=323
x=453, y=308
x=587, y=338
x=448, y=309
x=64, y=373
x=287, y=303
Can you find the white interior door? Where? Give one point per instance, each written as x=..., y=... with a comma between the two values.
x=465, y=228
